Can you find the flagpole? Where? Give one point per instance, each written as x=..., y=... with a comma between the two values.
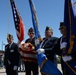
x=8, y=18
x=2, y=45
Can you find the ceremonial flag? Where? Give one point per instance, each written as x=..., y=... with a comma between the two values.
x=29, y=54
x=19, y=26
x=46, y=66
x=70, y=23
x=34, y=20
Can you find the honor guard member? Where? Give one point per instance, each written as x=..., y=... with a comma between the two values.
x=11, y=56
x=30, y=65
x=48, y=44
x=63, y=44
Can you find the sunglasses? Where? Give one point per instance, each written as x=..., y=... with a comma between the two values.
x=62, y=27
x=31, y=33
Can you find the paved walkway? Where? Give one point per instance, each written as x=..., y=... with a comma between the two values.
x=2, y=71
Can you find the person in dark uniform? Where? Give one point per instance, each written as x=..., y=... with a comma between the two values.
x=63, y=44
x=65, y=56
x=31, y=65
x=11, y=56
x=48, y=44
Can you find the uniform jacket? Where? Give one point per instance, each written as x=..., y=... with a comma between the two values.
x=49, y=47
x=12, y=55
x=32, y=41
x=31, y=55
x=73, y=54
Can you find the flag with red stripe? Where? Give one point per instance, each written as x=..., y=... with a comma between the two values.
x=19, y=26
x=27, y=52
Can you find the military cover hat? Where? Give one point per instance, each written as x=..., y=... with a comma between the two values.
x=61, y=24
x=9, y=36
x=48, y=28
x=31, y=30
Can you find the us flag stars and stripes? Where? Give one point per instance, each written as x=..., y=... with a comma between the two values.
x=19, y=26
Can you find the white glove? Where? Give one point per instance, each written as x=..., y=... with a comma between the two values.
x=21, y=44
x=63, y=45
x=37, y=42
x=66, y=58
x=15, y=68
x=40, y=51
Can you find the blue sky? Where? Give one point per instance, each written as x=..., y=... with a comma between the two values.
x=49, y=13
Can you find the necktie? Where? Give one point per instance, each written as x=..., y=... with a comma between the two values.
x=9, y=45
x=44, y=43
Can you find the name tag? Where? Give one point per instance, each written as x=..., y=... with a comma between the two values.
x=11, y=50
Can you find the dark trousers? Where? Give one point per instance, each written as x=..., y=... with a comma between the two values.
x=31, y=66
x=10, y=71
x=65, y=72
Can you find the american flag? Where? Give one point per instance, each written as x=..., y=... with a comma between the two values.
x=28, y=54
x=19, y=26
